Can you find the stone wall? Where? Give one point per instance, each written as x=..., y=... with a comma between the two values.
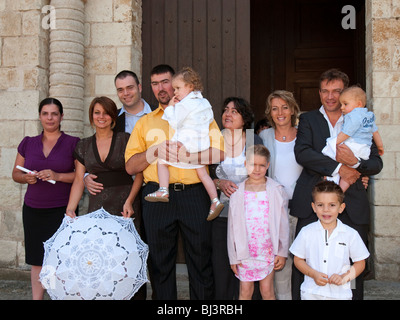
x=112, y=43
x=95, y=39
x=74, y=60
x=383, y=86
x=24, y=63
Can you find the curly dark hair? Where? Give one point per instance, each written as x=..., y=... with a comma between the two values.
x=244, y=109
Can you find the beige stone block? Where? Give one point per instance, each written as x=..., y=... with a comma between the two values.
x=32, y=128
x=31, y=22
x=7, y=253
x=9, y=78
x=390, y=134
x=387, y=250
x=382, y=107
x=389, y=161
x=21, y=255
x=124, y=61
x=89, y=84
x=86, y=103
x=67, y=79
x=19, y=105
x=385, y=31
x=396, y=110
x=137, y=59
x=7, y=159
x=30, y=4
x=70, y=12
x=88, y=36
x=396, y=58
x=397, y=165
x=12, y=193
x=72, y=114
x=381, y=9
x=99, y=10
x=88, y=131
x=381, y=58
x=21, y=51
x=12, y=228
x=383, y=192
x=66, y=36
x=10, y=23
x=66, y=57
x=387, y=272
x=105, y=85
x=12, y=133
x=73, y=127
x=386, y=221
x=111, y=34
x=101, y=60
x=395, y=8
x=35, y=78
x=62, y=91
x=386, y=84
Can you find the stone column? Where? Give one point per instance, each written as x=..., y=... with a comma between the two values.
x=66, y=80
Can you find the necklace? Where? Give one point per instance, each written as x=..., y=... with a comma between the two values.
x=284, y=138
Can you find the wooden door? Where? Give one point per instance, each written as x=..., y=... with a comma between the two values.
x=294, y=41
x=212, y=36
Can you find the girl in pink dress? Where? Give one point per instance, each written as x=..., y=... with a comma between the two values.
x=258, y=227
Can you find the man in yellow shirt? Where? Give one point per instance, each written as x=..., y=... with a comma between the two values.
x=188, y=204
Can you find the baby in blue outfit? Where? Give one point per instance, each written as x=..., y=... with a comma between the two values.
x=358, y=130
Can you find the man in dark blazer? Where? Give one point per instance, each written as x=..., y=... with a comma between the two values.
x=313, y=130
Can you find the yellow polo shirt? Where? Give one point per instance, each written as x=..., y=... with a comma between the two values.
x=151, y=130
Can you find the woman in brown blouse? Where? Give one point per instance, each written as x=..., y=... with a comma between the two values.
x=103, y=155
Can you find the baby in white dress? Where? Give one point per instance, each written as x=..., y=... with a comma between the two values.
x=190, y=115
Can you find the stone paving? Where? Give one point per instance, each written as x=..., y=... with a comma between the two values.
x=21, y=289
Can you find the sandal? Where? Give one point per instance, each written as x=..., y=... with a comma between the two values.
x=153, y=197
x=218, y=208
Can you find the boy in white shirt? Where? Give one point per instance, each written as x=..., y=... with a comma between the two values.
x=323, y=249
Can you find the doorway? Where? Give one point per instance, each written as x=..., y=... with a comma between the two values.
x=294, y=41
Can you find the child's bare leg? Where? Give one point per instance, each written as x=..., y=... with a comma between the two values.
x=246, y=290
x=267, y=287
x=162, y=194
x=37, y=289
x=207, y=182
x=163, y=174
x=216, y=206
x=344, y=185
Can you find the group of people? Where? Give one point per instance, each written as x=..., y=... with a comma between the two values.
x=251, y=208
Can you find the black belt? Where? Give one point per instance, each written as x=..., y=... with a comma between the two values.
x=177, y=186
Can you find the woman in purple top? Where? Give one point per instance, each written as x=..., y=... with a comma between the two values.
x=50, y=156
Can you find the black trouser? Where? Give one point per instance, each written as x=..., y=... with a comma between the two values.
x=298, y=277
x=226, y=284
x=187, y=211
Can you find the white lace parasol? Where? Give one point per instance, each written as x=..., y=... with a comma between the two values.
x=95, y=256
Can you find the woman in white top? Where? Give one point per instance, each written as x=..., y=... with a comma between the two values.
x=282, y=113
